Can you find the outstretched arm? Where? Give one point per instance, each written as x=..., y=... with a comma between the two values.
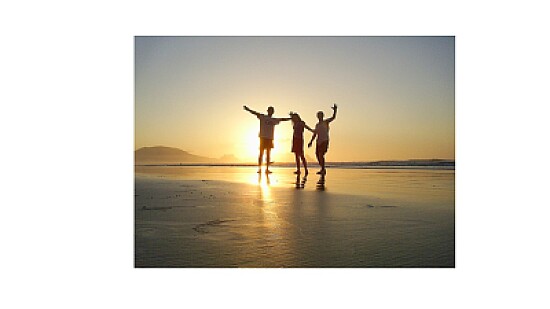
x=250, y=111
x=312, y=139
x=334, y=111
x=283, y=119
x=310, y=129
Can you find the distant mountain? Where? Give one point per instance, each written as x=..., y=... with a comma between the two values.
x=229, y=158
x=171, y=156
x=168, y=155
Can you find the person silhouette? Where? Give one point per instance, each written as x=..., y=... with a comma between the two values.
x=267, y=127
x=321, y=132
x=298, y=141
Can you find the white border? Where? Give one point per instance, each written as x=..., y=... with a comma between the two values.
x=67, y=128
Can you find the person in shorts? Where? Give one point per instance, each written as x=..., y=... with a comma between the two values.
x=298, y=141
x=321, y=132
x=267, y=127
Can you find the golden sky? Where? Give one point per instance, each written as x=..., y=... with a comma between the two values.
x=395, y=94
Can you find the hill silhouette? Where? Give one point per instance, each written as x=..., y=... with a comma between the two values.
x=172, y=155
x=168, y=155
x=229, y=158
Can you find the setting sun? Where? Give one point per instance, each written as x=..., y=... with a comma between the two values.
x=248, y=149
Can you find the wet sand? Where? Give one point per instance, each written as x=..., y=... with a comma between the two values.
x=234, y=217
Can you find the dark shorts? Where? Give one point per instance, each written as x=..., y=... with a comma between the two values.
x=298, y=145
x=321, y=148
x=266, y=143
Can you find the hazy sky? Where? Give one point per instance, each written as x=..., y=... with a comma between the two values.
x=395, y=94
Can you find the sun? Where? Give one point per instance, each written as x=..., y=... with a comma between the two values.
x=248, y=148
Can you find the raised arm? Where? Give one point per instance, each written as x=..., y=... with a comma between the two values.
x=250, y=111
x=334, y=111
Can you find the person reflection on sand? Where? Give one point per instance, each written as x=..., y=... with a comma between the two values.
x=267, y=181
x=321, y=184
x=300, y=183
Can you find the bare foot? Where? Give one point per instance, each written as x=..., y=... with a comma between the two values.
x=297, y=172
x=268, y=172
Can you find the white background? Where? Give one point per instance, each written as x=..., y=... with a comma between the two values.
x=67, y=122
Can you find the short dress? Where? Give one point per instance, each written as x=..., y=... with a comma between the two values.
x=298, y=137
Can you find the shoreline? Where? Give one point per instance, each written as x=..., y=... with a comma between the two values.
x=313, y=165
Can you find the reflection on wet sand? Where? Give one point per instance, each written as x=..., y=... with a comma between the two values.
x=264, y=182
x=300, y=183
x=270, y=217
x=321, y=183
x=233, y=217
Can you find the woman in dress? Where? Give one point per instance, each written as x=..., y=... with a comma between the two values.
x=298, y=141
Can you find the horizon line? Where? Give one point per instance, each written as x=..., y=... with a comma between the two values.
x=253, y=162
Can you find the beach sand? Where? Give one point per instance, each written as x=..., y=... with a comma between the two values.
x=234, y=217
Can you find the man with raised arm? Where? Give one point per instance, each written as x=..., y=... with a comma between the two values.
x=267, y=127
x=321, y=132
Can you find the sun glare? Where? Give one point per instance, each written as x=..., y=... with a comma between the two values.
x=248, y=148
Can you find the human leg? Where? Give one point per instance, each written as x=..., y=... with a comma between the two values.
x=319, y=156
x=321, y=150
x=260, y=158
x=303, y=157
x=268, y=160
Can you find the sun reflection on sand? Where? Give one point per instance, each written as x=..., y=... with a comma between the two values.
x=264, y=184
x=269, y=208
x=264, y=181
